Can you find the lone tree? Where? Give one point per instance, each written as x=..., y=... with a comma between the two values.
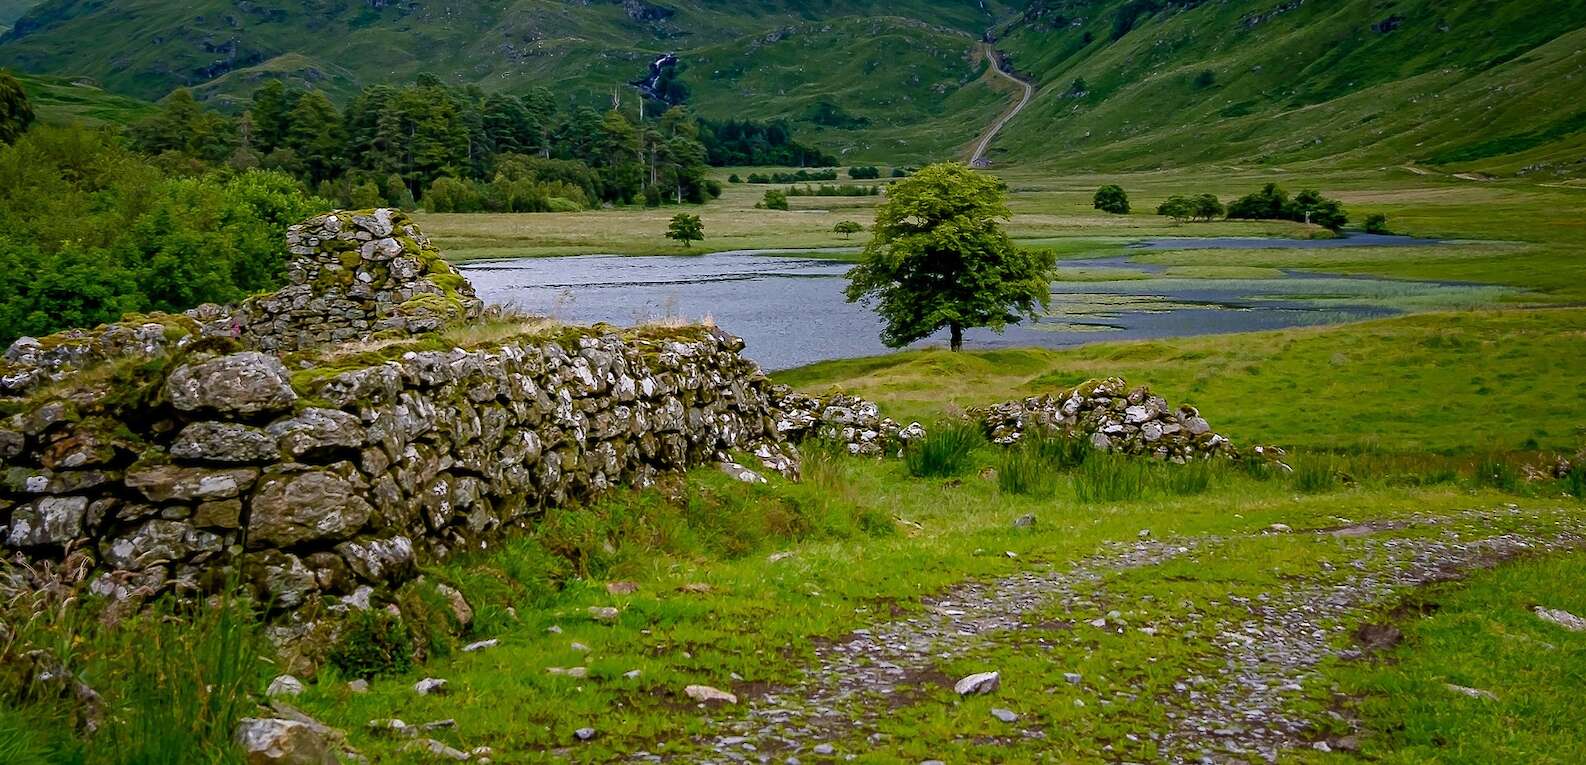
x=848, y=228
x=1111, y=198
x=16, y=112
x=687, y=229
x=940, y=259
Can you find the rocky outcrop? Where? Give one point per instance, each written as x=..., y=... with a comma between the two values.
x=1114, y=418
x=335, y=470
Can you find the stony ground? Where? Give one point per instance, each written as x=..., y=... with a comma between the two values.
x=1266, y=648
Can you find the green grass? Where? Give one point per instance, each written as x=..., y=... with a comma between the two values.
x=1440, y=382
x=1481, y=634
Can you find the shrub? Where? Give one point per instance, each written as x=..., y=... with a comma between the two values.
x=734, y=178
x=945, y=451
x=1272, y=203
x=774, y=200
x=1377, y=223
x=1110, y=478
x=1205, y=79
x=1111, y=198
x=847, y=228
x=1178, y=207
x=1575, y=482
x=373, y=643
x=868, y=172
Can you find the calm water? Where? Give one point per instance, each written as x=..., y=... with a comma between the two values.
x=790, y=310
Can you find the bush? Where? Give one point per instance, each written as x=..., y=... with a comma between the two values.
x=1110, y=478
x=847, y=228
x=734, y=178
x=373, y=643
x=1179, y=208
x=1575, y=482
x=1111, y=198
x=945, y=451
x=1272, y=203
x=1377, y=223
x=1205, y=79
x=868, y=172
x=774, y=200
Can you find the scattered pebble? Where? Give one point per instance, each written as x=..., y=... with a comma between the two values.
x=622, y=588
x=430, y=686
x=358, y=686
x=481, y=645
x=605, y=614
x=1005, y=715
x=584, y=734
x=1024, y=521
x=1475, y=693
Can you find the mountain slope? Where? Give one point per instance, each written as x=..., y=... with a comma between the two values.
x=1462, y=85
x=1489, y=85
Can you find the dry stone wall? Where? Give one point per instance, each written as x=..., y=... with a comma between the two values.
x=168, y=455
x=1114, y=417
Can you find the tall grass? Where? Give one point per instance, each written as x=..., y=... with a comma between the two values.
x=1575, y=482
x=1061, y=451
x=1315, y=475
x=1023, y=471
x=175, y=680
x=946, y=451
x=1111, y=478
x=1191, y=478
x=1497, y=473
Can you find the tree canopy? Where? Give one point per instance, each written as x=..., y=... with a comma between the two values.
x=686, y=228
x=1111, y=198
x=939, y=259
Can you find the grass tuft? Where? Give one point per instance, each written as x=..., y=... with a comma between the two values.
x=1111, y=478
x=945, y=452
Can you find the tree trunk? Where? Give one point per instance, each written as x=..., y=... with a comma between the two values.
x=958, y=337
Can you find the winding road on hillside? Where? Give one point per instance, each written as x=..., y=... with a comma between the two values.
x=978, y=159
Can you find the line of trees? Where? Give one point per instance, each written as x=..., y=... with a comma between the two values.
x=828, y=190
x=399, y=145
x=1270, y=203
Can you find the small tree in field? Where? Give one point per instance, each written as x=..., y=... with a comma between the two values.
x=939, y=259
x=687, y=229
x=16, y=113
x=1111, y=198
x=848, y=228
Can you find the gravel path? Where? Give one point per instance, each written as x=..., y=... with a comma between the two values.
x=1237, y=715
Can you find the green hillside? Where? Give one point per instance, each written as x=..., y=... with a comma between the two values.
x=1484, y=86
x=11, y=10
x=1475, y=85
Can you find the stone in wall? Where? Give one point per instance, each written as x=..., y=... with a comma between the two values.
x=855, y=423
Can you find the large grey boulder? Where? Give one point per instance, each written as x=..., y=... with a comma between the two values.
x=293, y=508
x=243, y=384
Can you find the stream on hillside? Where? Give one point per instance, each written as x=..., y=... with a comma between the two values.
x=791, y=310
